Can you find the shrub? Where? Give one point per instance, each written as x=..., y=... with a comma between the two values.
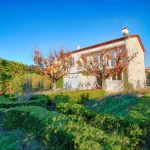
x=37, y=96
x=105, y=122
x=59, y=131
x=78, y=97
x=133, y=124
x=118, y=105
x=17, y=140
x=51, y=97
x=2, y=98
x=59, y=83
x=2, y=111
x=40, y=102
x=10, y=97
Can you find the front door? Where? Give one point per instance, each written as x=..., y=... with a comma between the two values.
x=73, y=81
x=99, y=82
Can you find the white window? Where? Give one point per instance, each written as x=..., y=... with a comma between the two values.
x=117, y=77
x=113, y=56
x=100, y=62
x=72, y=61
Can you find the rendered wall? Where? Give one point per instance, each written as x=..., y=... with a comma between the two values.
x=136, y=68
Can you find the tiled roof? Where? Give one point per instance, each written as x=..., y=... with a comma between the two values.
x=110, y=42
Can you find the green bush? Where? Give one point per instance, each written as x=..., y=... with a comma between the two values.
x=58, y=131
x=124, y=118
x=118, y=105
x=9, y=95
x=17, y=140
x=59, y=83
x=51, y=97
x=37, y=96
x=38, y=100
x=14, y=75
x=2, y=98
x=105, y=122
x=78, y=97
x=8, y=103
x=2, y=111
x=133, y=124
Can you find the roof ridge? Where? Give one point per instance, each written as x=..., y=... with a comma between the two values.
x=110, y=42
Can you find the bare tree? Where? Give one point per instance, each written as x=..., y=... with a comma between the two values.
x=101, y=68
x=56, y=66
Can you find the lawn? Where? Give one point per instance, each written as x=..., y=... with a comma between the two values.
x=81, y=120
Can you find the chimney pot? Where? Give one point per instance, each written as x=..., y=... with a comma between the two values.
x=78, y=46
x=125, y=31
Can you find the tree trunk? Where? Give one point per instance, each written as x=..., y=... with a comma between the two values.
x=54, y=86
x=104, y=84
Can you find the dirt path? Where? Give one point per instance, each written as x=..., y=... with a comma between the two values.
x=107, y=93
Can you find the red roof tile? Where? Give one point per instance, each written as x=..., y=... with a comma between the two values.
x=110, y=42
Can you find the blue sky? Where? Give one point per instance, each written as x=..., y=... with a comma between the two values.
x=48, y=24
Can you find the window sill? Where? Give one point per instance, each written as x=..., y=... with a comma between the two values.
x=115, y=81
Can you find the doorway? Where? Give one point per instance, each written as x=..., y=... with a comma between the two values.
x=99, y=82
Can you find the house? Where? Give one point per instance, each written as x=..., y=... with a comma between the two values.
x=135, y=73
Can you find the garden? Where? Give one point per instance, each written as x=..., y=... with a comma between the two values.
x=81, y=119
x=68, y=120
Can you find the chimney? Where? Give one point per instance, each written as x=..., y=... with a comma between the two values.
x=78, y=46
x=125, y=31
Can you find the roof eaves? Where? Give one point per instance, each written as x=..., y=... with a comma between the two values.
x=138, y=37
x=98, y=45
x=110, y=42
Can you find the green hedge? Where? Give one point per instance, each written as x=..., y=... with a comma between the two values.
x=105, y=122
x=58, y=131
x=37, y=100
x=8, y=103
x=2, y=111
x=117, y=105
x=135, y=125
x=39, y=96
x=2, y=98
x=78, y=97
